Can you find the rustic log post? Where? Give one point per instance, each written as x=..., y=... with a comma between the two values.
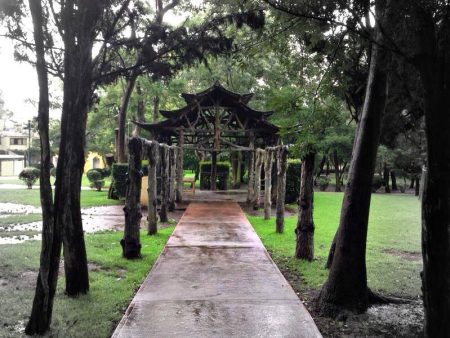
x=281, y=187
x=173, y=177
x=152, y=218
x=213, y=170
x=164, y=182
x=251, y=168
x=268, y=155
x=131, y=245
x=180, y=165
x=257, y=189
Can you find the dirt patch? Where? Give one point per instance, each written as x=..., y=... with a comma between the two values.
x=392, y=320
x=406, y=255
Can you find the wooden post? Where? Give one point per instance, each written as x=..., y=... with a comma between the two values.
x=131, y=246
x=281, y=187
x=180, y=164
x=213, y=170
x=164, y=182
x=257, y=190
x=251, y=168
x=152, y=219
x=268, y=154
x=173, y=177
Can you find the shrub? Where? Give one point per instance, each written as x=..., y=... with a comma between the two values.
x=106, y=172
x=53, y=172
x=293, y=178
x=323, y=182
x=377, y=182
x=223, y=172
x=119, y=179
x=95, y=176
x=29, y=175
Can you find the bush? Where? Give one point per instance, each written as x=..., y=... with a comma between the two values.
x=119, y=179
x=377, y=182
x=323, y=182
x=95, y=176
x=29, y=175
x=53, y=172
x=223, y=172
x=293, y=178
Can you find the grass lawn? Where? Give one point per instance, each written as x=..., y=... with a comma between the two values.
x=89, y=198
x=393, y=246
x=113, y=281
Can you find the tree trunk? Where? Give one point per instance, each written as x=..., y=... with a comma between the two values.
x=336, y=171
x=321, y=166
x=121, y=156
x=257, y=177
x=41, y=313
x=417, y=186
x=78, y=91
x=213, y=170
x=387, y=189
x=155, y=108
x=153, y=155
x=305, y=223
x=165, y=165
x=131, y=245
x=346, y=286
x=281, y=187
x=394, y=181
x=411, y=185
x=268, y=183
x=140, y=113
x=434, y=66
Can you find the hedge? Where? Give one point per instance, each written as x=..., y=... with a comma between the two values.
x=223, y=171
x=293, y=179
x=119, y=179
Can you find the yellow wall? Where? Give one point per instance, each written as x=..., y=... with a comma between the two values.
x=94, y=160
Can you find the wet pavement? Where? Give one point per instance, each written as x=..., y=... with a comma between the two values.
x=214, y=278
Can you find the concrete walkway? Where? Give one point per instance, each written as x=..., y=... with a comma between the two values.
x=215, y=279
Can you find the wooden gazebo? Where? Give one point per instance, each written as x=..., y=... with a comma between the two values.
x=215, y=120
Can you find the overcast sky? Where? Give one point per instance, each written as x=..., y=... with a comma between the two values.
x=18, y=81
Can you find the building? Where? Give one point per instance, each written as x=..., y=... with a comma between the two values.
x=13, y=146
x=94, y=161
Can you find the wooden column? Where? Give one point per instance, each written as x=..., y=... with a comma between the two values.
x=213, y=170
x=131, y=246
x=257, y=189
x=281, y=187
x=152, y=218
x=251, y=168
x=173, y=177
x=165, y=166
x=180, y=165
x=268, y=154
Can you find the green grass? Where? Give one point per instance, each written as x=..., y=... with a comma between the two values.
x=393, y=245
x=113, y=281
x=89, y=198
x=19, y=219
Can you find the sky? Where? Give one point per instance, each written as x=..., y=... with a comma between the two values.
x=18, y=81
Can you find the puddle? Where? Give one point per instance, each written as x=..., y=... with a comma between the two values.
x=13, y=208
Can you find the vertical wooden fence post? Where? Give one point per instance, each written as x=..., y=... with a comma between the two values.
x=164, y=182
x=152, y=218
x=258, y=164
x=281, y=187
x=131, y=246
x=268, y=155
x=180, y=164
x=251, y=169
x=173, y=177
